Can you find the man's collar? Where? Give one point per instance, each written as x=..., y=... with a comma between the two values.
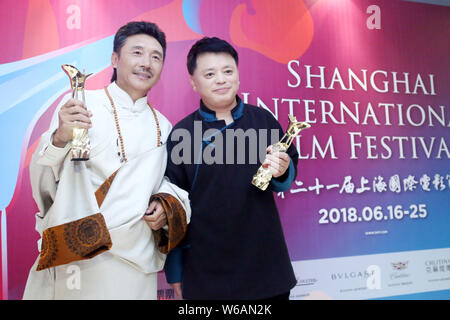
x=123, y=100
x=209, y=115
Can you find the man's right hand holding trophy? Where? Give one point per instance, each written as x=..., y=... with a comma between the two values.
x=74, y=118
x=262, y=177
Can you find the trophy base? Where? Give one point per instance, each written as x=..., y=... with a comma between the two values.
x=261, y=180
x=80, y=155
x=261, y=187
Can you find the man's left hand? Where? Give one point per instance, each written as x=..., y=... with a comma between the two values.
x=155, y=216
x=277, y=162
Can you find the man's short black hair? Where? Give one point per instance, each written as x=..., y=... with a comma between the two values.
x=206, y=45
x=134, y=28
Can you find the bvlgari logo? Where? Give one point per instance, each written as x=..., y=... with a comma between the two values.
x=397, y=266
x=364, y=274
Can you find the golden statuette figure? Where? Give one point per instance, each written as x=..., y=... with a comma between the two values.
x=81, y=147
x=263, y=176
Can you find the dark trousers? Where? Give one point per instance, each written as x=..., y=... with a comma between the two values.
x=280, y=297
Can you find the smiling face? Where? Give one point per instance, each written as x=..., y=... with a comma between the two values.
x=216, y=79
x=139, y=65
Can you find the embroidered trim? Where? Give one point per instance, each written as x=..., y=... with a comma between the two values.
x=101, y=192
x=176, y=220
x=77, y=240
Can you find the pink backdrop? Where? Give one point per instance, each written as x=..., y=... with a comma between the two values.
x=281, y=44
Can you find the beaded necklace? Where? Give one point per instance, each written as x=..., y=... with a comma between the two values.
x=116, y=120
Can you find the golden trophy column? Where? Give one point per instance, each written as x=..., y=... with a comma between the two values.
x=81, y=147
x=262, y=177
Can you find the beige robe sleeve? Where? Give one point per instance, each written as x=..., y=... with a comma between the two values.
x=63, y=215
x=177, y=206
x=45, y=166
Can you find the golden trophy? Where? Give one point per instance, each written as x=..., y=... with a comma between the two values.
x=81, y=147
x=263, y=176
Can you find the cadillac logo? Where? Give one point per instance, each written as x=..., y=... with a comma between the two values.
x=399, y=265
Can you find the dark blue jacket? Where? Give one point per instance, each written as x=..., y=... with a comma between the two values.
x=235, y=247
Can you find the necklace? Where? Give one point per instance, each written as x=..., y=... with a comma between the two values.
x=116, y=120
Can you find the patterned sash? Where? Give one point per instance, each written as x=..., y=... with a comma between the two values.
x=77, y=240
x=176, y=221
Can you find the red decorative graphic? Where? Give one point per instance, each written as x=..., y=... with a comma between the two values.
x=170, y=19
x=280, y=30
x=41, y=30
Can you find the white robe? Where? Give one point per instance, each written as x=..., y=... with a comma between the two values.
x=64, y=192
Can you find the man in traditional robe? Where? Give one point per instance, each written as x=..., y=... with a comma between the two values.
x=107, y=223
x=234, y=247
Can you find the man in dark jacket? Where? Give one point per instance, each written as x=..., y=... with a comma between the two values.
x=235, y=247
